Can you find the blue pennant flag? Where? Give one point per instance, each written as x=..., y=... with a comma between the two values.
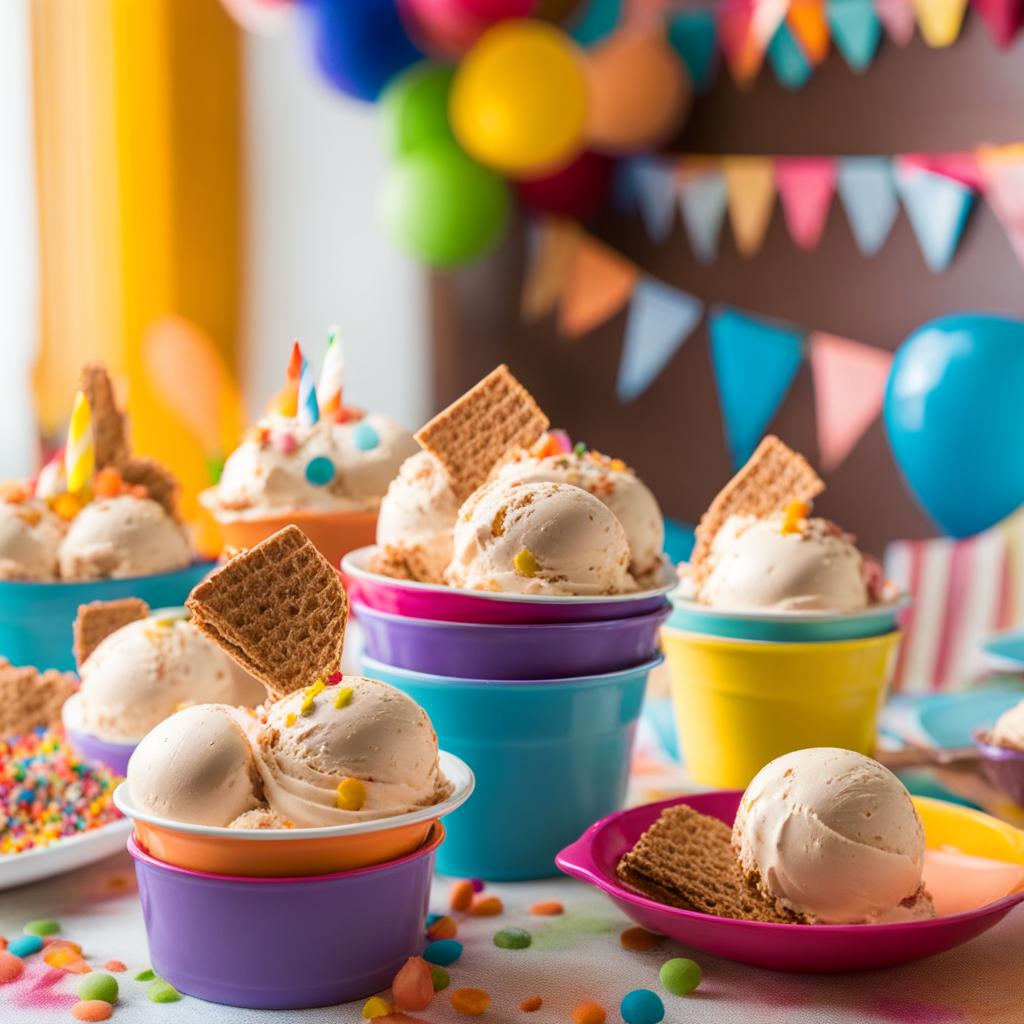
x=660, y=319
x=868, y=193
x=702, y=201
x=755, y=362
x=791, y=66
x=692, y=33
x=599, y=19
x=624, y=187
x=855, y=30
x=937, y=208
x=655, y=187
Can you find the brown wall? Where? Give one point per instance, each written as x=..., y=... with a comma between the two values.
x=911, y=99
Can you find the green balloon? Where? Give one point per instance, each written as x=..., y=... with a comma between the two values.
x=415, y=108
x=444, y=208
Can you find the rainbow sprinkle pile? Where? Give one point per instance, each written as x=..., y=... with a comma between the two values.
x=47, y=793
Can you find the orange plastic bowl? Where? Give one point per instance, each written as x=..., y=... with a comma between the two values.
x=281, y=853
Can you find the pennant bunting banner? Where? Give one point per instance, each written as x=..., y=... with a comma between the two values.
x=849, y=386
x=598, y=284
x=805, y=187
x=810, y=27
x=1003, y=171
x=897, y=16
x=702, y=201
x=655, y=183
x=856, y=31
x=940, y=20
x=552, y=246
x=868, y=192
x=742, y=47
x=1003, y=18
x=692, y=33
x=660, y=320
x=937, y=207
x=786, y=56
x=750, y=188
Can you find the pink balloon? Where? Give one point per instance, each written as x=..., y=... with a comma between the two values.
x=578, y=190
x=448, y=28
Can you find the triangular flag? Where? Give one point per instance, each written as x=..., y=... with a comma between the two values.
x=599, y=19
x=741, y=44
x=660, y=319
x=866, y=187
x=598, y=285
x=552, y=246
x=655, y=183
x=692, y=33
x=849, y=386
x=750, y=184
x=898, y=18
x=937, y=208
x=805, y=185
x=624, y=187
x=767, y=17
x=807, y=20
x=755, y=362
x=856, y=31
x=940, y=20
x=1003, y=168
x=792, y=69
x=702, y=201
x=961, y=166
x=1003, y=18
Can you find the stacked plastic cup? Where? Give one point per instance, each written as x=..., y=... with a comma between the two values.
x=540, y=695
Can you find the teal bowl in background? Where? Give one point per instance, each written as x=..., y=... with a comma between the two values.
x=36, y=619
x=550, y=757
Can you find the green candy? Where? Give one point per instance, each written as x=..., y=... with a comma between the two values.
x=513, y=938
x=98, y=986
x=161, y=991
x=44, y=926
x=441, y=978
x=147, y=975
x=680, y=976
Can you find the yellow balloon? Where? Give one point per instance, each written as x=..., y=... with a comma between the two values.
x=519, y=99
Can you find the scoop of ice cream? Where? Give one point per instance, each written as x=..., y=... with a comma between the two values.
x=144, y=672
x=122, y=537
x=286, y=465
x=1009, y=728
x=355, y=751
x=539, y=538
x=30, y=536
x=417, y=516
x=784, y=565
x=259, y=818
x=834, y=836
x=609, y=480
x=196, y=766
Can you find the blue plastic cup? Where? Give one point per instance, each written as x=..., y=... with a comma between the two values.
x=551, y=757
x=36, y=619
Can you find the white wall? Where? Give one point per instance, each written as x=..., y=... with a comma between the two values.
x=316, y=254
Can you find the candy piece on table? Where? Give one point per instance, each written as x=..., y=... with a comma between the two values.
x=375, y=1007
x=513, y=938
x=642, y=1006
x=461, y=896
x=98, y=985
x=44, y=926
x=442, y=928
x=11, y=967
x=472, y=1002
x=444, y=952
x=531, y=1004
x=680, y=976
x=486, y=906
x=589, y=1013
x=92, y=1010
x=640, y=940
x=413, y=987
x=161, y=991
x=118, y=966
x=147, y=975
x=441, y=978
x=547, y=908
x=25, y=945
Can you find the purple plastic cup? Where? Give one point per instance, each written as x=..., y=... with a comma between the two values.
x=1003, y=766
x=90, y=747
x=548, y=651
x=285, y=943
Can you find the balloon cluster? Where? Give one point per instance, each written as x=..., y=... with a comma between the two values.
x=485, y=100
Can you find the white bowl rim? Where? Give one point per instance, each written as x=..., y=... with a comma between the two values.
x=354, y=564
x=880, y=610
x=454, y=768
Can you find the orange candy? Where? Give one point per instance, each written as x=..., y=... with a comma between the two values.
x=413, y=987
x=531, y=1004
x=443, y=928
x=108, y=483
x=461, y=897
x=640, y=940
x=92, y=1009
x=486, y=906
x=66, y=956
x=589, y=1013
x=470, y=1001
x=10, y=966
x=116, y=966
x=549, y=908
x=3, y=942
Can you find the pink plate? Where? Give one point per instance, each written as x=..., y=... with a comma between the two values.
x=439, y=603
x=822, y=949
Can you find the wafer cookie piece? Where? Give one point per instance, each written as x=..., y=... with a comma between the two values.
x=98, y=619
x=686, y=859
x=278, y=609
x=30, y=699
x=158, y=480
x=475, y=431
x=773, y=476
x=109, y=424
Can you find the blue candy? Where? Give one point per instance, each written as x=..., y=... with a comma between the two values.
x=642, y=1006
x=431, y=918
x=320, y=471
x=25, y=945
x=365, y=436
x=443, y=952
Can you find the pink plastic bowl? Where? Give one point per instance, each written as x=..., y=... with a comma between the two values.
x=819, y=949
x=440, y=603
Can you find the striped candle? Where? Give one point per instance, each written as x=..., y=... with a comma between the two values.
x=79, y=453
x=309, y=408
x=332, y=375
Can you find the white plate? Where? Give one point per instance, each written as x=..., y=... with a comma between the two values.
x=64, y=855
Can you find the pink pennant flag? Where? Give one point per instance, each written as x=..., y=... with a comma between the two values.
x=898, y=18
x=962, y=167
x=741, y=43
x=806, y=186
x=849, y=385
x=1003, y=18
x=1003, y=168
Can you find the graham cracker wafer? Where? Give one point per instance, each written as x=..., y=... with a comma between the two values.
x=475, y=431
x=30, y=699
x=109, y=424
x=686, y=859
x=773, y=476
x=98, y=619
x=156, y=478
x=278, y=609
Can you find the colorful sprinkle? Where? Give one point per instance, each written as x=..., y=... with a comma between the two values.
x=343, y=697
x=147, y=975
x=525, y=564
x=579, y=448
x=351, y=795
x=413, y=987
x=320, y=471
x=486, y=906
x=10, y=966
x=547, y=908
x=444, y=952
x=531, y=1005
x=117, y=966
x=513, y=938
x=286, y=443
x=680, y=976
x=92, y=1010
x=365, y=436
x=642, y=1006
x=470, y=1001
x=443, y=928
x=640, y=940
x=25, y=945
x=290, y=719
x=478, y=884
x=589, y=1013
x=461, y=896
x=796, y=511
x=44, y=926
x=161, y=991
x=98, y=986
x=441, y=978
x=376, y=1007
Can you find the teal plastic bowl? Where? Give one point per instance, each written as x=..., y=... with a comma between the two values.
x=786, y=627
x=36, y=619
x=550, y=757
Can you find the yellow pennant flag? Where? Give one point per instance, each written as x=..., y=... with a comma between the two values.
x=549, y=268
x=750, y=187
x=940, y=20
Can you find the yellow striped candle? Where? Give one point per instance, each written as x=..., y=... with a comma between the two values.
x=79, y=453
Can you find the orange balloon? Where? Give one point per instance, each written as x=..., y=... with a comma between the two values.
x=640, y=92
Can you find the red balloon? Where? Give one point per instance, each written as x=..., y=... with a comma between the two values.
x=578, y=190
x=448, y=28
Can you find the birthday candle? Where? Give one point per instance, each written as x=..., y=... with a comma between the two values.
x=285, y=402
x=332, y=375
x=79, y=453
x=309, y=408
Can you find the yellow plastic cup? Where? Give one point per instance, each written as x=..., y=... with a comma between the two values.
x=741, y=703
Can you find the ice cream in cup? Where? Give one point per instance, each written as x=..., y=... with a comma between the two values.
x=310, y=461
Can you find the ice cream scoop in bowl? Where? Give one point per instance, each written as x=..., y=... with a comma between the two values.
x=1001, y=749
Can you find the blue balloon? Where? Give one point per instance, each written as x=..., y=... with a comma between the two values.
x=954, y=412
x=359, y=45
